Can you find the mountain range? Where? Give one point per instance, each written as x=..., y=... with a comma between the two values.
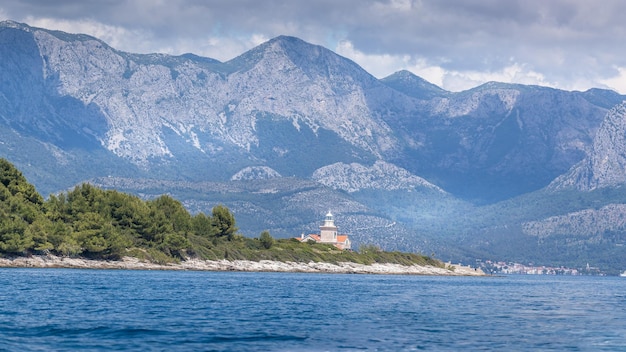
x=288, y=130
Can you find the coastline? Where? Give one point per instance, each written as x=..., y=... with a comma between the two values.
x=130, y=263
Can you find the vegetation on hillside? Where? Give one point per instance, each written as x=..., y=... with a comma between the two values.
x=106, y=224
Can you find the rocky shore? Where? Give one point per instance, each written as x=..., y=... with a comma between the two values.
x=130, y=263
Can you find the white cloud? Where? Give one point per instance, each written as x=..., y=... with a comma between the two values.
x=378, y=65
x=225, y=48
x=116, y=36
x=393, y=5
x=383, y=65
x=221, y=48
x=617, y=83
x=514, y=73
x=452, y=80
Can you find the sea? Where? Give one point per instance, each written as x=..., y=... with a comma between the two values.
x=109, y=310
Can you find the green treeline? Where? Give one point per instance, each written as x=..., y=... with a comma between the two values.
x=96, y=223
x=106, y=224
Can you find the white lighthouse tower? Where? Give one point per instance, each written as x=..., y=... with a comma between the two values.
x=328, y=231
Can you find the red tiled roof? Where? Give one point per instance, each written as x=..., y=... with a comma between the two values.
x=340, y=244
x=342, y=238
x=316, y=238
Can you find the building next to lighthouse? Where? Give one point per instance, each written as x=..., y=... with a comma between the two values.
x=328, y=234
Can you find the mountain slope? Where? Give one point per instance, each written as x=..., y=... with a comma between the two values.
x=498, y=140
x=605, y=165
x=155, y=109
x=413, y=86
x=355, y=177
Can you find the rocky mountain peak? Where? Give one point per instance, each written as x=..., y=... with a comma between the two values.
x=15, y=25
x=381, y=175
x=414, y=86
x=315, y=61
x=311, y=87
x=605, y=165
x=255, y=173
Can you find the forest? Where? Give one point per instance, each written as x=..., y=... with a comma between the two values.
x=93, y=223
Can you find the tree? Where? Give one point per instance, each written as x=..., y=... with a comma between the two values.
x=202, y=225
x=224, y=222
x=89, y=230
x=266, y=239
x=154, y=232
x=17, y=184
x=13, y=236
x=174, y=211
x=174, y=243
x=38, y=231
x=57, y=208
x=69, y=247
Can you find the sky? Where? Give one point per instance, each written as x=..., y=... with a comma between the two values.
x=455, y=44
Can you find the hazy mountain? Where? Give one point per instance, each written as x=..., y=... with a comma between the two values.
x=498, y=140
x=289, y=129
x=605, y=164
x=413, y=86
x=381, y=176
x=290, y=106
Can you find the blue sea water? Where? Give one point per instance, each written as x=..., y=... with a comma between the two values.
x=104, y=310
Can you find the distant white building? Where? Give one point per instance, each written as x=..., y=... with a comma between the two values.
x=328, y=234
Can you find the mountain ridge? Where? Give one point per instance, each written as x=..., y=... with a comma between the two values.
x=412, y=85
x=605, y=165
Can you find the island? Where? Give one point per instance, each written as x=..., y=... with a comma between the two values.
x=89, y=227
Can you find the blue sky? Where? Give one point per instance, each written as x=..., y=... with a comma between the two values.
x=566, y=44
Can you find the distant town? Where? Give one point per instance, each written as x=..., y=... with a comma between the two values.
x=492, y=267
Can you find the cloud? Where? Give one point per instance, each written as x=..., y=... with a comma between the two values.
x=379, y=65
x=617, y=82
x=226, y=48
x=452, y=80
x=514, y=73
x=116, y=36
x=382, y=65
x=567, y=42
x=144, y=41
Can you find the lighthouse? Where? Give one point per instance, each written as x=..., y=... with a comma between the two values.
x=328, y=231
x=328, y=234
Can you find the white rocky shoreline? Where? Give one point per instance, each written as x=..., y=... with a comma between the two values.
x=130, y=263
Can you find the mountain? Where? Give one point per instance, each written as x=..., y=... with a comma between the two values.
x=413, y=86
x=288, y=130
x=287, y=105
x=498, y=140
x=605, y=164
x=160, y=112
x=382, y=175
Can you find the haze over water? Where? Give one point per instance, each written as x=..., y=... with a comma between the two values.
x=102, y=310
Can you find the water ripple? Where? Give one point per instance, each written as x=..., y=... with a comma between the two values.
x=64, y=310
